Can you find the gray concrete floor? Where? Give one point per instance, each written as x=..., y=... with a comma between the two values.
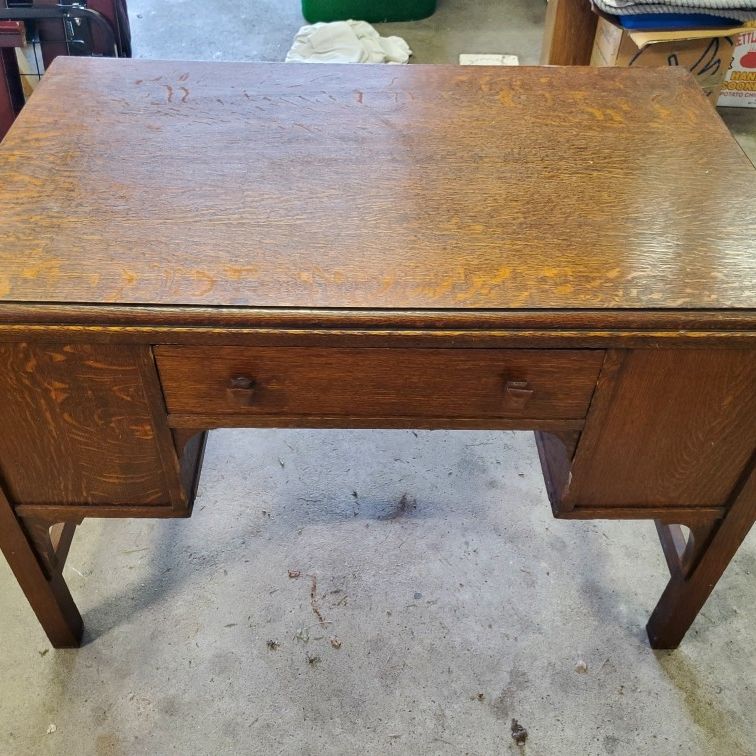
x=459, y=603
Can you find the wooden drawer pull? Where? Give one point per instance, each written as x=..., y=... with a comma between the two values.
x=517, y=393
x=241, y=390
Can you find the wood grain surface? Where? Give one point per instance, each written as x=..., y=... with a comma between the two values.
x=568, y=33
x=419, y=187
x=675, y=428
x=78, y=428
x=311, y=381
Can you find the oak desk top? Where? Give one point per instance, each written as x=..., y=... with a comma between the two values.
x=402, y=187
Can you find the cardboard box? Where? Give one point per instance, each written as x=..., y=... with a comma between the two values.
x=705, y=52
x=739, y=87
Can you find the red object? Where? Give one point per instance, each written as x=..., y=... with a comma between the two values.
x=12, y=34
x=11, y=93
x=52, y=42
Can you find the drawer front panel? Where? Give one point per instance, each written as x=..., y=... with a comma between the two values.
x=306, y=381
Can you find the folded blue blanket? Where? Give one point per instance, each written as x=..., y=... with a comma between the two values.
x=674, y=21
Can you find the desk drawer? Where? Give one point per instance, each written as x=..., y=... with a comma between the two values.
x=299, y=381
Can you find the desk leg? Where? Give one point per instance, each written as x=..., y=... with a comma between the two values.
x=568, y=33
x=687, y=591
x=40, y=576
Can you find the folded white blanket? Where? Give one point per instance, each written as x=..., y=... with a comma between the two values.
x=346, y=42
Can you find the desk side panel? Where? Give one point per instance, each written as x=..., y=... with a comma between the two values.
x=79, y=425
x=678, y=431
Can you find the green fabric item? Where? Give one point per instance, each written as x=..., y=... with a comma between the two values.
x=374, y=11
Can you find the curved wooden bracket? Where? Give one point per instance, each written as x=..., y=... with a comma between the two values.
x=682, y=554
x=51, y=541
x=190, y=448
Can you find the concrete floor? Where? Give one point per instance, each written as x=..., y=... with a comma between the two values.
x=458, y=602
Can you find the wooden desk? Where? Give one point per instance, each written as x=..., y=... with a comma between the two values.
x=187, y=246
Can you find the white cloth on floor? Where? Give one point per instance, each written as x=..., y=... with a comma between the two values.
x=346, y=42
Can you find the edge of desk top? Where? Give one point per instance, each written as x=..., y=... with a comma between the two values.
x=115, y=186
x=215, y=319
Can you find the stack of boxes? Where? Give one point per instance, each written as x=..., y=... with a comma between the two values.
x=721, y=57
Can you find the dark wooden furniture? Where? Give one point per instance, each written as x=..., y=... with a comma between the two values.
x=188, y=246
x=12, y=35
x=568, y=33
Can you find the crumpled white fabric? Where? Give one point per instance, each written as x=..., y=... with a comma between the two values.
x=346, y=42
